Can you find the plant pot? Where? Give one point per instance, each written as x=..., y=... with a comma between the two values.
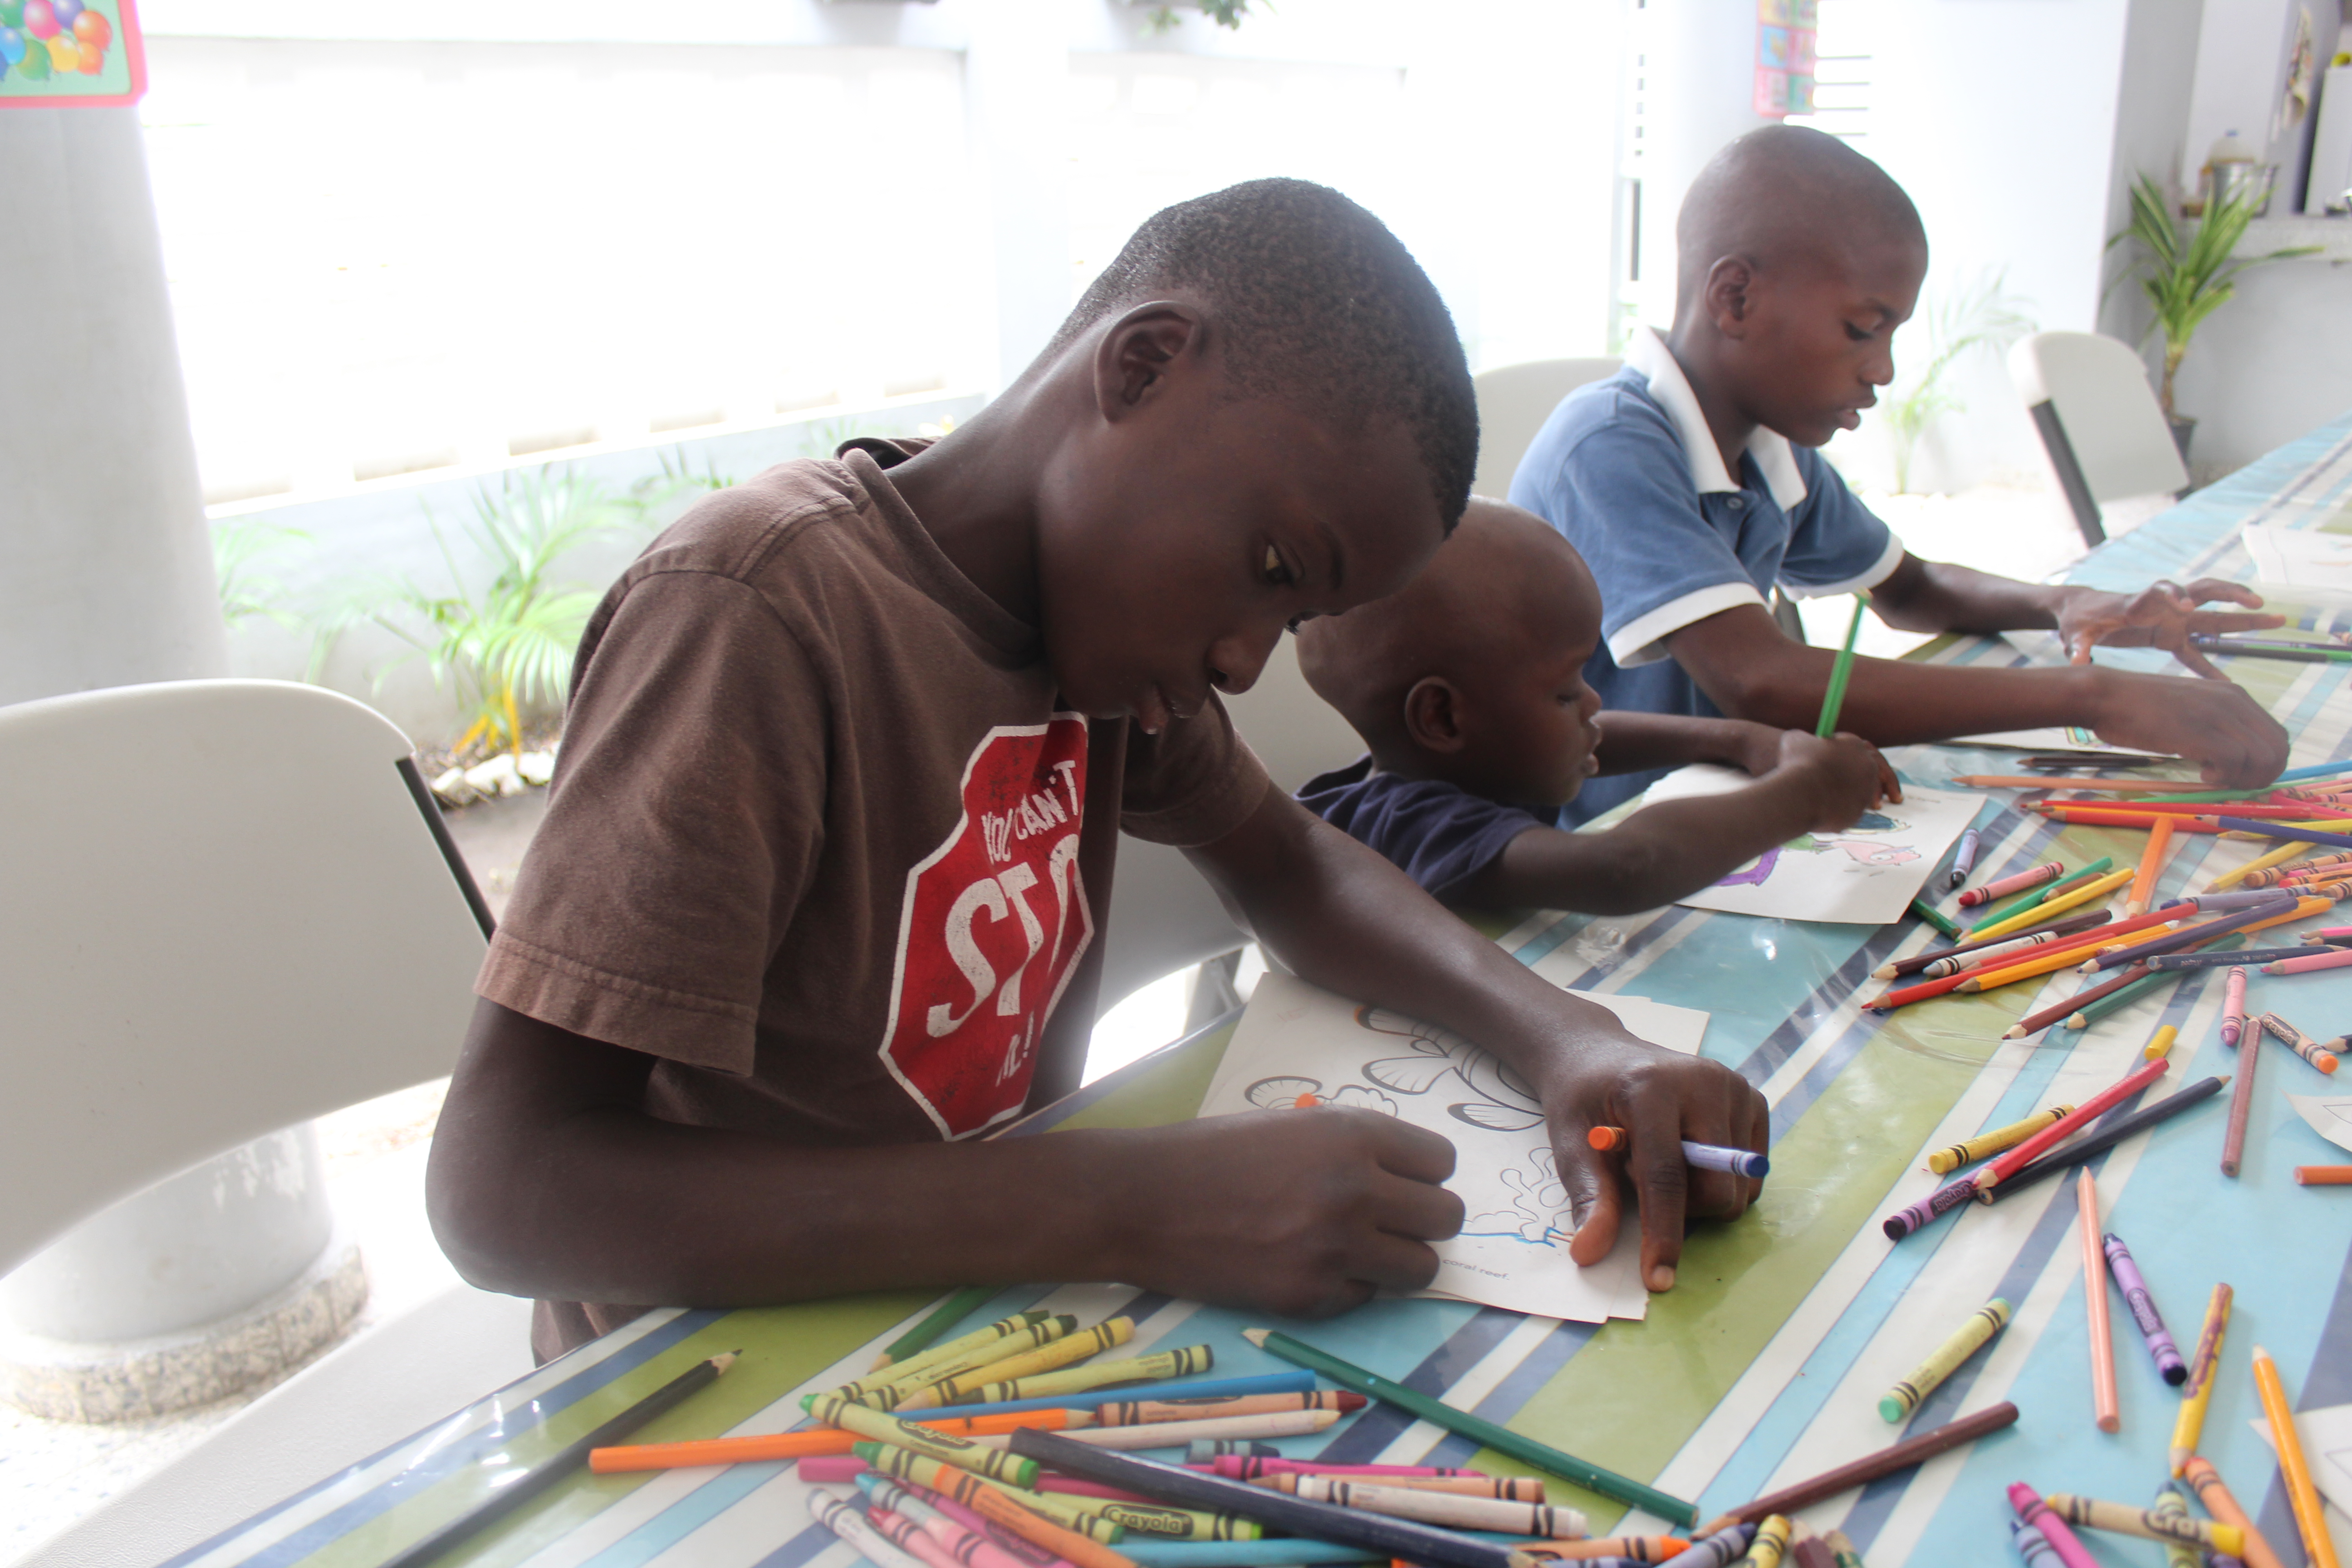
x=2182, y=430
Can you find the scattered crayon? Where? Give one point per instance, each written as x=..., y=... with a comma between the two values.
x=1964, y=860
x=1057, y=1508
x=1956, y=958
x=2171, y=1505
x=1181, y=1362
x=1719, y=1549
x=2009, y=1161
x=2098, y=888
x=1510, y=1489
x=1139, y=1412
x=1011, y=1541
x=2115, y=787
x=883, y=1388
x=1944, y=1162
x=2104, y=1402
x=910, y=1538
x=1920, y=963
x=2298, y=1042
x=2263, y=862
x=2265, y=876
x=2159, y=1045
x=1951, y=1195
x=966, y=1547
x=2043, y=898
x=1770, y=1545
x=1842, y=1549
x=2197, y=1392
x=1206, y=1450
x=1287, y=1550
x=1453, y=1511
x=2137, y=1296
x=811, y=1444
x=1935, y=917
x=1164, y=1521
x=1629, y=1548
x=2207, y=1481
x=2033, y=1546
x=2063, y=1542
x=2233, y=1007
x=2111, y=1132
x=840, y=1516
x=924, y=1335
x=2024, y=881
x=1238, y=1470
x=2120, y=1519
x=1699, y=1156
x=1060, y=1353
x=1899, y=1403
x=963, y=1453
x=1234, y=1429
x=1289, y=1382
x=2322, y=1175
x=2310, y=1522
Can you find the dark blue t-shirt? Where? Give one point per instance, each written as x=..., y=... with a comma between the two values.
x=1438, y=834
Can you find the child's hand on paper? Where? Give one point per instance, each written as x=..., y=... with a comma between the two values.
x=1844, y=776
x=1660, y=1097
x=1305, y=1212
x=2213, y=723
x=2164, y=616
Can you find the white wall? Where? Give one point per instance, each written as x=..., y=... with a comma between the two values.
x=2270, y=365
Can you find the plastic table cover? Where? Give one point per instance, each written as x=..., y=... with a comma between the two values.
x=1765, y=1363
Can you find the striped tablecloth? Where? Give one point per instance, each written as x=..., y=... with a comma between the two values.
x=1764, y=1364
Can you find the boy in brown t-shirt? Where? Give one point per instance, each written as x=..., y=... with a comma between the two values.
x=819, y=897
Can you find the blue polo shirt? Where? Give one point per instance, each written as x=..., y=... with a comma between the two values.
x=1627, y=470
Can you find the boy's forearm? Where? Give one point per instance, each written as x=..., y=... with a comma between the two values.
x=1340, y=916
x=1632, y=741
x=1937, y=596
x=1661, y=853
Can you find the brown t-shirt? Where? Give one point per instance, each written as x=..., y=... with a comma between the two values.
x=821, y=837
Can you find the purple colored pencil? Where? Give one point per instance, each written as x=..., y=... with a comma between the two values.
x=2274, y=904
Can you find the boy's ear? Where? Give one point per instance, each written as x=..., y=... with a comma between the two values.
x=1433, y=716
x=1730, y=295
x=1135, y=357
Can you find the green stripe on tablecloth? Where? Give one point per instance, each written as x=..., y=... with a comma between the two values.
x=786, y=1345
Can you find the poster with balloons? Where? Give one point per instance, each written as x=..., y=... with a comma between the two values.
x=69, y=54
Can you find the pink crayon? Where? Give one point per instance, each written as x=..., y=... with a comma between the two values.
x=1246, y=1467
x=1025, y=1553
x=2048, y=871
x=2336, y=959
x=831, y=1469
x=2042, y=1516
x=909, y=1537
x=2234, y=1006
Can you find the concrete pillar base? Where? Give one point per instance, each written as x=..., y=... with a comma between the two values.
x=64, y=1379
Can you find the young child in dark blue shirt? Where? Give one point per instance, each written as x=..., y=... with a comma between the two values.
x=1469, y=689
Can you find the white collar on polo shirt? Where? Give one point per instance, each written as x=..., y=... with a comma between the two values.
x=1648, y=354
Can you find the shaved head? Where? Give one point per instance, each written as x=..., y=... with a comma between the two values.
x=1786, y=197
x=1504, y=588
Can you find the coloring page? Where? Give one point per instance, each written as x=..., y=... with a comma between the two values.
x=1867, y=875
x=2331, y=1118
x=1297, y=1045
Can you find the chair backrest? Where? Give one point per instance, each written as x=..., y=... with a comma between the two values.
x=224, y=913
x=2099, y=420
x=1514, y=401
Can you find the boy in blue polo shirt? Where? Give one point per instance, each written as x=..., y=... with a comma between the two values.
x=1689, y=483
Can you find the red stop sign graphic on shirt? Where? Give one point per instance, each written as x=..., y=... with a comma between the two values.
x=992, y=927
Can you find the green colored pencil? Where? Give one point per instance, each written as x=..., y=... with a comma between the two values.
x=1833, y=700
x=1502, y=1440
x=925, y=1334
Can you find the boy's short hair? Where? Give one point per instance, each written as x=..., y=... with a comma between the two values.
x=1324, y=308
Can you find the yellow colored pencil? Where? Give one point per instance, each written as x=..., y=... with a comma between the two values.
x=2098, y=888
x=1992, y=979
x=2190, y=1424
x=2308, y=1519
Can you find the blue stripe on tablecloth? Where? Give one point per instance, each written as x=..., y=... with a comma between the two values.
x=1360, y=1442
x=2329, y=1381
x=433, y=1468
x=1550, y=1353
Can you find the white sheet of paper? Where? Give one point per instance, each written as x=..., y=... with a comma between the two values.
x=2330, y=1116
x=2301, y=557
x=2326, y=1437
x=2057, y=738
x=1296, y=1043
x=1868, y=875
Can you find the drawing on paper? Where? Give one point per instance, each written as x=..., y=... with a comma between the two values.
x=1867, y=873
x=1298, y=1046
x=2330, y=1117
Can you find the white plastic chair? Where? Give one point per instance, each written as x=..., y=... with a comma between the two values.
x=2106, y=438
x=230, y=907
x=1163, y=915
x=1514, y=401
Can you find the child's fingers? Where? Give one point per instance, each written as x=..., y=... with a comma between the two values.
x=2198, y=663
x=1661, y=1187
x=1419, y=1210
x=2208, y=590
x=1595, y=1204
x=1413, y=1153
x=1393, y=1263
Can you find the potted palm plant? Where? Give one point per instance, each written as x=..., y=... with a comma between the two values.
x=2188, y=280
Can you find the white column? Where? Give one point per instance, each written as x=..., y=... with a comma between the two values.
x=1016, y=79
x=1697, y=77
x=106, y=579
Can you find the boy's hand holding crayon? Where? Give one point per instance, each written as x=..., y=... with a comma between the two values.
x=1841, y=778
